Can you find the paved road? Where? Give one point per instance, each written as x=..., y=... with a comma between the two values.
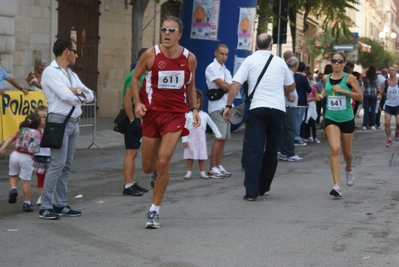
x=206, y=222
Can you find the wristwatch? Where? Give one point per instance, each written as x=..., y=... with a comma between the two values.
x=78, y=91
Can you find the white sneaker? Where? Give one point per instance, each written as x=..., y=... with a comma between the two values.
x=336, y=191
x=204, y=176
x=39, y=201
x=215, y=173
x=294, y=159
x=350, y=178
x=223, y=171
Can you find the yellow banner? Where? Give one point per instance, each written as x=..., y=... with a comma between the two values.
x=15, y=106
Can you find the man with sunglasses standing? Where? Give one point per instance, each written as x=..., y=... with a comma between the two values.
x=63, y=90
x=218, y=77
x=170, y=76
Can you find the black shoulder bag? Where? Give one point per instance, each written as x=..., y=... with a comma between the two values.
x=248, y=98
x=121, y=121
x=53, y=133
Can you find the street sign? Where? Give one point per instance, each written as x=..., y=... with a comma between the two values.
x=343, y=47
x=353, y=56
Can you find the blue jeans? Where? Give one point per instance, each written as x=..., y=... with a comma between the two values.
x=264, y=126
x=369, y=101
x=288, y=140
x=298, y=121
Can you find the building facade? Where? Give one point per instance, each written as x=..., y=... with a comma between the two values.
x=28, y=30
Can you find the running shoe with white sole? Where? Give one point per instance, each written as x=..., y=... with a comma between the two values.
x=283, y=157
x=389, y=143
x=294, y=159
x=214, y=173
x=39, y=201
x=350, y=178
x=152, y=220
x=336, y=191
x=300, y=143
x=223, y=171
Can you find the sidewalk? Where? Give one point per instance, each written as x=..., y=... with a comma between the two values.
x=105, y=136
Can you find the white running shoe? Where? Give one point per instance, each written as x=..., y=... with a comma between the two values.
x=203, y=176
x=215, y=173
x=39, y=201
x=152, y=220
x=294, y=159
x=336, y=191
x=223, y=171
x=350, y=178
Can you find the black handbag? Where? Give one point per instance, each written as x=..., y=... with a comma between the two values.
x=120, y=122
x=53, y=133
x=215, y=94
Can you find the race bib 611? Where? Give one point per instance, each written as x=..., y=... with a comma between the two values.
x=172, y=79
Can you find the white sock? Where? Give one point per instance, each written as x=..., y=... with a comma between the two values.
x=202, y=173
x=155, y=208
x=128, y=185
x=188, y=173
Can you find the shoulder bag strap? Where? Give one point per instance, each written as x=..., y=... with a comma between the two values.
x=69, y=114
x=249, y=98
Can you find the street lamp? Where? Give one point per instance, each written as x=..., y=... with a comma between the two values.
x=385, y=35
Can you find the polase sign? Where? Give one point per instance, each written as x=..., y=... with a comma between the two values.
x=15, y=106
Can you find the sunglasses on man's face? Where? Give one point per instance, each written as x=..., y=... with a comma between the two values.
x=170, y=29
x=339, y=61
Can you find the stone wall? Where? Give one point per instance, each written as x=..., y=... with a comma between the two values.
x=7, y=36
x=28, y=29
x=115, y=50
x=33, y=37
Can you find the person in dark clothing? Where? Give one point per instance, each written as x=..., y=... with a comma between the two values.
x=302, y=88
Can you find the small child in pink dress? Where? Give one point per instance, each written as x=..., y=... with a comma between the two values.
x=195, y=143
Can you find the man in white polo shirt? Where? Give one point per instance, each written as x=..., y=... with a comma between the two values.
x=266, y=114
x=218, y=77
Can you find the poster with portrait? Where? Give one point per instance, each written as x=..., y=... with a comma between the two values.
x=205, y=20
x=246, y=29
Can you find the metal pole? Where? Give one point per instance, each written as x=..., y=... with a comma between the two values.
x=279, y=29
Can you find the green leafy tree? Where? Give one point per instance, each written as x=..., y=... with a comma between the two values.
x=377, y=56
x=333, y=12
x=320, y=45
